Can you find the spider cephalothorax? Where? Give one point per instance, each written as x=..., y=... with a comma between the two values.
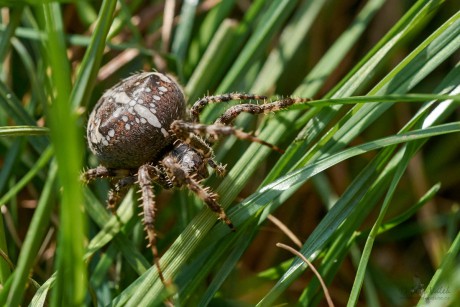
x=140, y=132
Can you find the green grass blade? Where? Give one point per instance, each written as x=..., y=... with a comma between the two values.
x=68, y=147
x=23, y=131
x=40, y=164
x=184, y=32
x=15, y=18
x=360, y=274
x=290, y=42
x=89, y=68
x=270, y=22
x=34, y=239
x=439, y=288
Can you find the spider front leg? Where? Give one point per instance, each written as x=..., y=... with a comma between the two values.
x=103, y=172
x=183, y=128
x=229, y=116
x=144, y=175
x=180, y=178
x=199, y=105
x=117, y=190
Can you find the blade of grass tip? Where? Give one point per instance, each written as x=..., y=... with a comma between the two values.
x=68, y=146
x=439, y=283
x=87, y=73
x=39, y=299
x=33, y=239
x=360, y=274
x=410, y=211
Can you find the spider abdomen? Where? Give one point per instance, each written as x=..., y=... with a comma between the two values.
x=129, y=125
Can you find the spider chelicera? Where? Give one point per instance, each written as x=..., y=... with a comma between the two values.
x=140, y=132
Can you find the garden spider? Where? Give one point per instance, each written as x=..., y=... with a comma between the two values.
x=141, y=134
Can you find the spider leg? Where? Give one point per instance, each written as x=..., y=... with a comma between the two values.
x=199, y=105
x=103, y=172
x=181, y=178
x=181, y=128
x=198, y=144
x=145, y=174
x=232, y=112
x=118, y=191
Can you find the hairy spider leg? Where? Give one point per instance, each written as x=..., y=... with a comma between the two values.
x=119, y=190
x=200, y=104
x=180, y=179
x=145, y=175
x=199, y=145
x=229, y=116
x=103, y=172
x=215, y=130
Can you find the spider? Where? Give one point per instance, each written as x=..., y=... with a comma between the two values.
x=140, y=132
